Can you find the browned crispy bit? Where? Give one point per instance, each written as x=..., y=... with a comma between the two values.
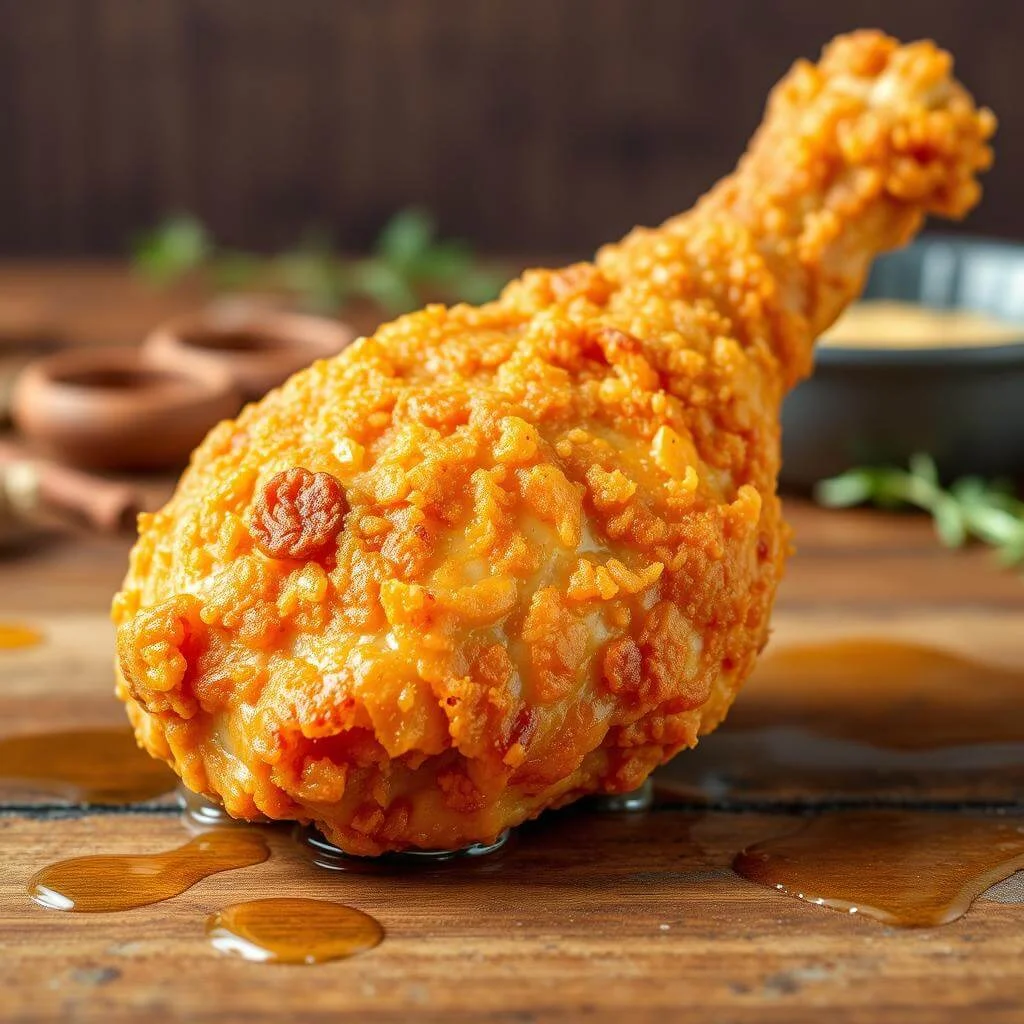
x=298, y=514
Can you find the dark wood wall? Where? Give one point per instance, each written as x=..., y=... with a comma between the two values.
x=526, y=125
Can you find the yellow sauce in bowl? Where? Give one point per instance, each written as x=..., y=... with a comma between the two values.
x=883, y=323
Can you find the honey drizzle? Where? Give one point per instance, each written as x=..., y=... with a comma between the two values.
x=911, y=869
x=887, y=694
x=865, y=719
x=15, y=636
x=106, y=883
x=293, y=931
x=91, y=766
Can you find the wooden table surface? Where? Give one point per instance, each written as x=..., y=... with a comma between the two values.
x=570, y=923
x=585, y=917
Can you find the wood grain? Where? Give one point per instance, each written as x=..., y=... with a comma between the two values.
x=569, y=924
x=585, y=917
x=530, y=126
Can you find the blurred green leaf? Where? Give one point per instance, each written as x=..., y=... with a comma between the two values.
x=850, y=488
x=172, y=249
x=923, y=467
x=949, y=523
x=406, y=237
x=970, y=508
x=970, y=489
x=386, y=285
x=479, y=285
x=408, y=262
x=314, y=273
x=233, y=270
x=442, y=262
x=997, y=526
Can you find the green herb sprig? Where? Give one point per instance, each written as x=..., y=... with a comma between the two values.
x=175, y=248
x=408, y=261
x=971, y=508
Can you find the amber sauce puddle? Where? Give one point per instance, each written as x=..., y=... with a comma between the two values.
x=106, y=883
x=865, y=719
x=15, y=636
x=887, y=694
x=909, y=720
x=905, y=868
x=92, y=766
x=909, y=869
x=293, y=931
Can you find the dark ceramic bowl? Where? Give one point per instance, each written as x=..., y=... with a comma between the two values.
x=964, y=405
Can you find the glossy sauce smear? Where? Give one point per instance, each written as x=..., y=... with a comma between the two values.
x=909, y=869
x=894, y=704
x=15, y=636
x=293, y=931
x=884, y=693
x=102, y=884
x=863, y=719
x=90, y=766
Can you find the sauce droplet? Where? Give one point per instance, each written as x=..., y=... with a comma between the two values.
x=863, y=718
x=906, y=868
x=94, y=766
x=632, y=802
x=326, y=855
x=106, y=883
x=293, y=931
x=13, y=636
x=202, y=813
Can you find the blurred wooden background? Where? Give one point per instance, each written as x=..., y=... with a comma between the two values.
x=539, y=126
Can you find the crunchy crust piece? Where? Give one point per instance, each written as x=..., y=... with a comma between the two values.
x=297, y=514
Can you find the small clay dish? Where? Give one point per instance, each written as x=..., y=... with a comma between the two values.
x=27, y=331
x=258, y=349
x=14, y=357
x=114, y=409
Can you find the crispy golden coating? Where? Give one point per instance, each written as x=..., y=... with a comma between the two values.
x=492, y=559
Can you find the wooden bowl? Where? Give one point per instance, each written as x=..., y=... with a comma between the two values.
x=27, y=331
x=258, y=349
x=114, y=409
x=14, y=357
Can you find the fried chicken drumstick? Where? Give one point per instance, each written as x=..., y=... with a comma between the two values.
x=493, y=559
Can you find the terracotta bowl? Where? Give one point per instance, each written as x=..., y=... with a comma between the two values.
x=115, y=409
x=258, y=349
x=27, y=331
x=14, y=357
